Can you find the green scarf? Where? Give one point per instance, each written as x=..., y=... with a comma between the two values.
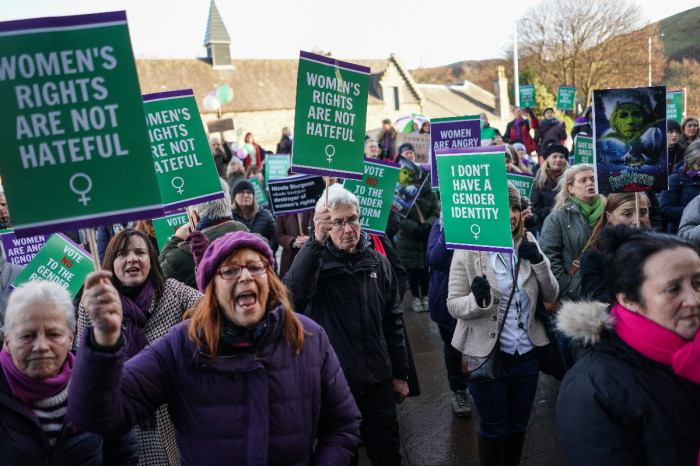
x=591, y=211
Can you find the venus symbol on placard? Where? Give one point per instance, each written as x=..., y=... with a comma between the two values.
x=330, y=156
x=82, y=193
x=179, y=188
x=478, y=230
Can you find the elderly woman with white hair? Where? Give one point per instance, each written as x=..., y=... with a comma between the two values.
x=683, y=187
x=36, y=367
x=338, y=280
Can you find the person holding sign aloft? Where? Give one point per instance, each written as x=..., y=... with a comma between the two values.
x=506, y=288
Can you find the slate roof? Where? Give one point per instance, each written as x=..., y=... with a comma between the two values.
x=216, y=29
x=442, y=101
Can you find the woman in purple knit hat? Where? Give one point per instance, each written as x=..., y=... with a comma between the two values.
x=246, y=380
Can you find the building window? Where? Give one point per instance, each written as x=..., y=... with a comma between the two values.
x=397, y=103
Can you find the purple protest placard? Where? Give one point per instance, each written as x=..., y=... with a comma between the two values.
x=452, y=133
x=21, y=251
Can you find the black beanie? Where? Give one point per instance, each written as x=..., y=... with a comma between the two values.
x=406, y=146
x=556, y=148
x=242, y=186
x=672, y=125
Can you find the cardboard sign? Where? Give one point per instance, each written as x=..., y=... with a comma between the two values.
x=61, y=261
x=474, y=193
x=421, y=145
x=259, y=193
x=276, y=167
x=565, y=98
x=21, y=251
x=674, y=106
x=451, y=133
x=522, y=181
x=295, y=194
x=166, y=227
x=411, y=179
x=73, y=125
x=527, y=96
x=329, y=122
x=629, y=139
x=583, y=150
x=219, y=126
x=375, y=194
x=184, y=166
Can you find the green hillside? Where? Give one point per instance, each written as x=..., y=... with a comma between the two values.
x=682, y=35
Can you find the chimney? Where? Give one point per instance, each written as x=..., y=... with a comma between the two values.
x=501, y=90
x=217, y=41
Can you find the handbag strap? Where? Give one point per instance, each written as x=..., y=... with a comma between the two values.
x=510, y=300
x=575, y=265
x=420, y=214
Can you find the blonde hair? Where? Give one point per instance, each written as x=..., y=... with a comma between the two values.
x=542, y=175
x=566, y=180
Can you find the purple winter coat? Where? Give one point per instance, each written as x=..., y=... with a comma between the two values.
x=259, y=409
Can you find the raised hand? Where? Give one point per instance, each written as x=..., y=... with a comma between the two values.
x=103, y=305
x=323, y=224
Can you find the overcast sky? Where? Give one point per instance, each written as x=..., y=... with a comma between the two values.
x=428, y=32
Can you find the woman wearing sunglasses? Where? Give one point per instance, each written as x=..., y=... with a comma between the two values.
x=246, y=380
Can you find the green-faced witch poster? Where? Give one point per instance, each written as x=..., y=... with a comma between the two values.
x=165, y=227
x=183, y=162
x=375, y=193
x=330, y=115
x=527, y=96
x=565, y=98
x=474, y=193
x=61, y=261
x=72, y=125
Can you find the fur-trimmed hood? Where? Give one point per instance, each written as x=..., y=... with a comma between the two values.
x=584, y=321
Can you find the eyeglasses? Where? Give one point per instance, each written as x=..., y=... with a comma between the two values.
x=233, y=271
x=352, y=221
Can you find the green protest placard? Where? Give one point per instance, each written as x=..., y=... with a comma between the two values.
x=674, y=106
x=276, y=167
x=474, y=193
x=73, y=125
x=329, y=124
x=260, y=196
x=61, y=261
x=184, y=166
x=565, y=98
x=375, y=194
x=583, y=150
x=527, y=96
x=522, y=181
x=166, y=226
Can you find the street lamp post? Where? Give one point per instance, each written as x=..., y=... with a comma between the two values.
x=516, y=79
x=661, y=35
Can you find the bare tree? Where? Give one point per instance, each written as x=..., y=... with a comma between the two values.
x=590, y=44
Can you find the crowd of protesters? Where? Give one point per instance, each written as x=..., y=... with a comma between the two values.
x=250, y=338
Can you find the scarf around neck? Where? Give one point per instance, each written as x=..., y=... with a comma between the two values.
x=29, y=390
x=135, y=317
x=657, y=343
x=591, y=211
x=690, y=173
x=244, y=339
x=517, y=123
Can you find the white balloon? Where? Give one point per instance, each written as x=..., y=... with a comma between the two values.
x=211, y=103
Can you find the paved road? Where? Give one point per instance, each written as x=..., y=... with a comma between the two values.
x=432, y=436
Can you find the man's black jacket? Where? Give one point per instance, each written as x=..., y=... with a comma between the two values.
x=355, y=298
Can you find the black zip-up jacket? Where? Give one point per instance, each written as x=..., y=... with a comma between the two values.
x=355, y=298
x=23, y=442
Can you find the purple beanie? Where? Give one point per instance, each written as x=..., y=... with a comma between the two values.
x=208, y=258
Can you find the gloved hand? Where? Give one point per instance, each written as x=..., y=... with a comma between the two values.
x=422, y=231
x=530, y=252
x=481, y=290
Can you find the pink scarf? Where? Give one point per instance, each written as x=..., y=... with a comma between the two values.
x=29, y=390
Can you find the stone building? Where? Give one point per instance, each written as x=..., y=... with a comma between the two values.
x=265, y=90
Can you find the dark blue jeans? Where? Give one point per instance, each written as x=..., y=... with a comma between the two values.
x=453, y=361
x=505, y=406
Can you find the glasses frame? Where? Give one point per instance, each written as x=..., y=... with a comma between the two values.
x=243, y=266
x=346, y=222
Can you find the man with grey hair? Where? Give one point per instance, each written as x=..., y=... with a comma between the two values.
x=212, y=218
x=339, y=281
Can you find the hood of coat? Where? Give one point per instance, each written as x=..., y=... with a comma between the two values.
x=584, y=321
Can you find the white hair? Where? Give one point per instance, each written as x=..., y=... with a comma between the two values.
x=218, y=208
x=39, y=292
x=338, y=196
